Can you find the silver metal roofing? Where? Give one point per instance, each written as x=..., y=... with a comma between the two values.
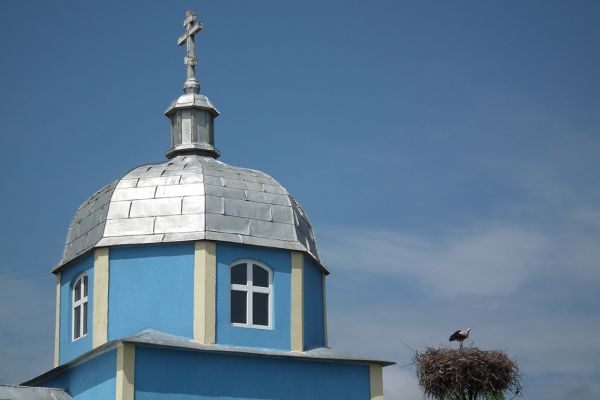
x=192, y=100
x=190, y=198
x=151, y=337
x=12, y=392
x=157, y=338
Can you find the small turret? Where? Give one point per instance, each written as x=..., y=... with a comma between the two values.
x=192, y=114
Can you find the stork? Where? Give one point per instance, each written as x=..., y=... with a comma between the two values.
x=460, y=336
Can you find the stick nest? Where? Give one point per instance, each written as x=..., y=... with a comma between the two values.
x=467, y=374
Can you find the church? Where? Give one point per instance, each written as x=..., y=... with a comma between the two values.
x=194, y=279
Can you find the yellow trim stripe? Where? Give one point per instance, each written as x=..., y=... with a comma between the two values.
x=205, y=291
x=100, y=305
x=325, y=330
x=57, y=323
x=376, y=374
x=125, y=372
x=297, y=306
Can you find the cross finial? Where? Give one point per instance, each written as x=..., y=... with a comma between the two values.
x=192, y=26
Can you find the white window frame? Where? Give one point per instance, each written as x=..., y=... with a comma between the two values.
x=250, y=289
x=79, y=303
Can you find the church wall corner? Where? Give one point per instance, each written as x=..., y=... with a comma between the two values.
x=297, y=302
x=100, y=294
x=57, y=321
x=376, y=381
x=205, y=287
x=125, y=372
x=68, y=348
x=314, y=306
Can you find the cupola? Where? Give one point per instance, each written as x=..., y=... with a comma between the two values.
x=192, y=115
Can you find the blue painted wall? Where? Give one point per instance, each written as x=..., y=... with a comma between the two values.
x=151, y=287
x=314, y=310
x=70, y=349
x=280, y=262
x=195, y=375
x=91, y=380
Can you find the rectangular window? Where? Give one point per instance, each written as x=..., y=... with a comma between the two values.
x=77, y=294
x=260, y=276
x=238, y=307
x=260, y=309
x=239, y=275
x=84, y=319
x=76, y=322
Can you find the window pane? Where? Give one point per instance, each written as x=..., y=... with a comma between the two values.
x=260, y=309
x=85, y=285
x=77, y=291
x=260, y=276
x=238, y=274
x=238, y=306
x=76, y=322
x=84, y=318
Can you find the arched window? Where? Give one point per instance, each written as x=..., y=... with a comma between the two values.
x=251, y=294
x=80, y=305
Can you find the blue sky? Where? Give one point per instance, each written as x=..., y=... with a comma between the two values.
x=446, y=152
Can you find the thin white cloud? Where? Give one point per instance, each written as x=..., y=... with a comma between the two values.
x=525, y=289
x=485, y=261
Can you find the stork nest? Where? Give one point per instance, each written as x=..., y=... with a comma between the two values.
x=467, y=374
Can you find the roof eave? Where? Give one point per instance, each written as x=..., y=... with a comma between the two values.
x=194, y=346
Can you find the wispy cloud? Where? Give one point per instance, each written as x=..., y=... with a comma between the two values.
x=489, y=260
x=523, y=288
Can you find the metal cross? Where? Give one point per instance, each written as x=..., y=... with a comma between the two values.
x=192, y=26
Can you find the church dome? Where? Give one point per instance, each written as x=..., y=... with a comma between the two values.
x=190, y=197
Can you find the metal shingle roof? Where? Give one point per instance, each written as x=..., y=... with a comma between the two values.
x=150, y=337
x=157, y=338
x=13, y=392
x=190, y=198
